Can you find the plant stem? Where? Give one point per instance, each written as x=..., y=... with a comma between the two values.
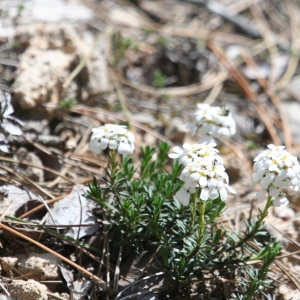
x=263, y=214
x=201, y=221
x=254, y=229
x=201, y=209
x=194, y=209
x=113, y=165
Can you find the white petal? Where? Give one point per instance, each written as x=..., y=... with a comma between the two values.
x=278, y=182
x=203, y=106
x=103, y=143
x=113, y=144
x=261, y=194
x=295, y=181
x=94, y=146
x=280, y=202
x=230, y=189
x=284, y=173
x=124, y=149
x=130, y=136
x=204, y=194
x=272, y=147
x=208, y=140
x=258, y=165
x=274, y=167
x=274, y=192
x=295, y=190
x=203, y=181
x=290, y=173
x=257, y=176
x=212, y=183
x=266, y=181
x=183, y=196
x=178, y=150
x=174, y=155
x=223, y=194
x=187, y=146
x=213, y=194
x=195, y=176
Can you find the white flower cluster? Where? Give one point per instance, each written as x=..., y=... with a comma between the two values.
x=203, y=169
x=115, y=137
x=215, y=121
x=276, y=169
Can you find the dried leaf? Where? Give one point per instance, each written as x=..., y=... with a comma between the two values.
x=75, y=209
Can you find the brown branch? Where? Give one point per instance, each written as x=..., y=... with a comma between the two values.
x=245, y=85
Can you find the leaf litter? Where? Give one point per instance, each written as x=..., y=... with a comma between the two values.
x=170, y=55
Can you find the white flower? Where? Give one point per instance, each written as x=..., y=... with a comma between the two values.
x=115, y=137
x=276, y=169
x=183, y=196
x=215, y=121
x=204, y=170
x=281, y=200
x=203, y=153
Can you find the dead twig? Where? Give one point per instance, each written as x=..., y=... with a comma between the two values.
x=240, y=154
x=295, y=46
x=243, y=23
x=3, y=158
x=29, y=181
x=98, y=281
x=273, y=97
x=96, y=113
x=244, y=84
x=209, y=81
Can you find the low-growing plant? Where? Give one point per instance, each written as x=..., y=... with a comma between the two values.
x=179, y=211
x=120, y=45
x=67, y=103
x=159, y=79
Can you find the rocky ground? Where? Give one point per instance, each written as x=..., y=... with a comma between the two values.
x=69, y=66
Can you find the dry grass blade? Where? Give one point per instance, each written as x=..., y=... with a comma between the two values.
x=209, y=81
x=38, y=167
x=240, y=155
x=99, y=281
x=98, y=113
x=295, y=47
x=268, y=36
x=41, y=206
x=29, y=181
x=291, y=276
x=215, y=91
x=83, y=61
x=244, y=84
x=122, y=100
x=274, y=98
x=197, y=33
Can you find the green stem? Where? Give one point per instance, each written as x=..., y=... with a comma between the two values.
x=194, y=209
x=201, y=209
x=263, y=214
x=201, y=221
x=253, y=231
x=113, y=165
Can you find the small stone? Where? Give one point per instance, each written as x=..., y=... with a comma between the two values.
x=27, y=290
x=40, y=266
x=8, y=263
